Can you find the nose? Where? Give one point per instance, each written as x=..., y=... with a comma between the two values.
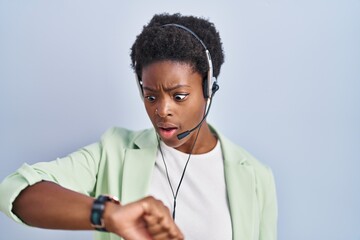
x=163, y=108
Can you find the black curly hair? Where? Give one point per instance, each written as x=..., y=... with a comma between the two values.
x=158, y=43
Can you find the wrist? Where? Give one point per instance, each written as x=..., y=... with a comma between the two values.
x=110, y=216
x=99, y=213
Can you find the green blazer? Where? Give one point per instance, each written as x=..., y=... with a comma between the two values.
x=121, y=164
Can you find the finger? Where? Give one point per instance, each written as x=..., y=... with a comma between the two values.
x=155, y=229
x=167, y=234
x=174, y=232
x=152, y=220
x=161, y=236
x=177, y=238
x=167, y=226
x=153, y=206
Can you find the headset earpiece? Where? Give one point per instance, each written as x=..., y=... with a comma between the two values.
x=205, y=87
x=215, y=88
x=139, y=85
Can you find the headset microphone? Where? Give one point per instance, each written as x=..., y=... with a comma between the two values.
x=184, y=134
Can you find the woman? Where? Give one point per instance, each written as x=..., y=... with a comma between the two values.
x=180, y=179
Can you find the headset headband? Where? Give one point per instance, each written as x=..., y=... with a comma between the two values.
x=209, y=83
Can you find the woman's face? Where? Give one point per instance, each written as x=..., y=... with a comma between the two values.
x=174, y=101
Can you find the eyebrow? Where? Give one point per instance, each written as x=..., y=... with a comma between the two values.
x=167, y=89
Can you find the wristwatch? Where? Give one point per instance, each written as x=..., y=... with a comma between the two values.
x=97, y=211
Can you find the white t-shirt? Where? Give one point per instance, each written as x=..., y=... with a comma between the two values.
x=202, y=210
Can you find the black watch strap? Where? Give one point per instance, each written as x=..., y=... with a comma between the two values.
x=97, y=211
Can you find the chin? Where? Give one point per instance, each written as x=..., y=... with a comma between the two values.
x=174, y=143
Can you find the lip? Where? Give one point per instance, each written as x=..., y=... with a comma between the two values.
x=166, y=130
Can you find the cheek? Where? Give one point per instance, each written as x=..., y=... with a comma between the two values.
x=195, y=112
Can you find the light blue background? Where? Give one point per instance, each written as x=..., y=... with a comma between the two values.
x=289, y=94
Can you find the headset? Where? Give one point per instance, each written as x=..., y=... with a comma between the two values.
x=210, y=85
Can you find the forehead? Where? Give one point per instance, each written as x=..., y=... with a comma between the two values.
x=168, y=73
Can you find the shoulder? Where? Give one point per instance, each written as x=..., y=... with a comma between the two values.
x=240, y=155
x=235, y=154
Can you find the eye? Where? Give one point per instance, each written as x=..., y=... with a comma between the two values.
x=180, y=96
x=150, y=98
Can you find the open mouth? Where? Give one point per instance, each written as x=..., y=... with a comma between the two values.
x=167, y=132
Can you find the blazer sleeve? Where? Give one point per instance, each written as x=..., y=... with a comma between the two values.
x=268, y=222
x=77, y=172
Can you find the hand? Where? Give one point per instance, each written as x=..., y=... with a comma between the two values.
x=146, y=219
x=160, y=224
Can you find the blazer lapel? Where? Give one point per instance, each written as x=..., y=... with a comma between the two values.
x=138, y=167
x=240, y=182
x=241, y=194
